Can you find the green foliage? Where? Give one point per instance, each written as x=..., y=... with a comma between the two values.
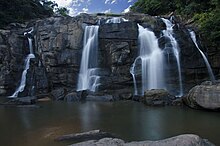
x=62, y=11
x=153, y=7
x=209, y=25
x=22, y=10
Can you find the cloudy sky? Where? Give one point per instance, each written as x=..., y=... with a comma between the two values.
x=95, y=6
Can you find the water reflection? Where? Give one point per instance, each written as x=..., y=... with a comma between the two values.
x=129, y=120
x=89, y=114
x=25, y=116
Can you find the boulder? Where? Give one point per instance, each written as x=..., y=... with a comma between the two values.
x=28, y=100
x=88, y=96
x=101, y=142
x=181, y=140
x=204, y=96
x=158, y=97
x=72, y=97
x=90, y=135
x=58, y=94
x=95, y=96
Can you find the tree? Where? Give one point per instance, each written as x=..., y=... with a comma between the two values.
x=154, y=7
x=62, y=11
x=23, y=10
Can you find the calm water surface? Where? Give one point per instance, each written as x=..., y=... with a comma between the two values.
x=129, y=120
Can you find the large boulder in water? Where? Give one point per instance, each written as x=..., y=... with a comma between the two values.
x=159, y=97
x=204, y=96
x=181, y=140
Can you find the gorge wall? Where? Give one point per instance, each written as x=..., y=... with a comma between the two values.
x=58, y=44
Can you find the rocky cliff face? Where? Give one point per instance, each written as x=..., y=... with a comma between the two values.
x=58, y=44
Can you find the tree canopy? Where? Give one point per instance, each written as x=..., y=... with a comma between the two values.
x=23, y=10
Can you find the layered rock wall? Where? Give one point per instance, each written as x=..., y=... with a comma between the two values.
x=58, y=44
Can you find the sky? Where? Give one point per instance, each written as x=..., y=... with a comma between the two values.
x=76, y=7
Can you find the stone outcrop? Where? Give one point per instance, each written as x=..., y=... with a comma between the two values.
x=204, y=96
x=118, y=45
x=181, y=140
x=84, y=136
x=159, y=97
x=58, y=44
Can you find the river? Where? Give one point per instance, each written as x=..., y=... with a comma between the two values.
x=129, y=120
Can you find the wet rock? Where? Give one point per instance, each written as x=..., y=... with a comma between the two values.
x=181, y=140
x=58, y=94
x=82, y=94
x=28, y=100
x=28, y=106
x=122, y=94
x=178, y=101
x=125, y=95
x=204, y=96
x=99, y=98
x=157, y=97
x=90, y=135
x=72, y=97
x=102, y=142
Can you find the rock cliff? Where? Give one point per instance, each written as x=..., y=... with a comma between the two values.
x=58, y=44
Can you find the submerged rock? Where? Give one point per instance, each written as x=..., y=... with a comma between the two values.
x=28, y=100
x=72, y=97
x=159, y=97
x=181, y=140
x=204, y=96
x=90, y=135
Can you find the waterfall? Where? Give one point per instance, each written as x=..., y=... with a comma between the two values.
x=151, y=57
x=193, y=37
x=88, y=75
x=168, y=33
x=27, y=65
x=116, y=20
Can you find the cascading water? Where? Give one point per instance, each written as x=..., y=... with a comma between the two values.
x=116, y=20
x=88, y=75
x=27, y=65
x=151, y=57
x=168, y=33
x=193, y=37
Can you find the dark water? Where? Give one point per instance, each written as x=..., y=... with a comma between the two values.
x=129, y=120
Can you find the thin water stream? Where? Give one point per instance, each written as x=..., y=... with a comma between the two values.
x=168, y=33
x=211, y=75
x=30, y=56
